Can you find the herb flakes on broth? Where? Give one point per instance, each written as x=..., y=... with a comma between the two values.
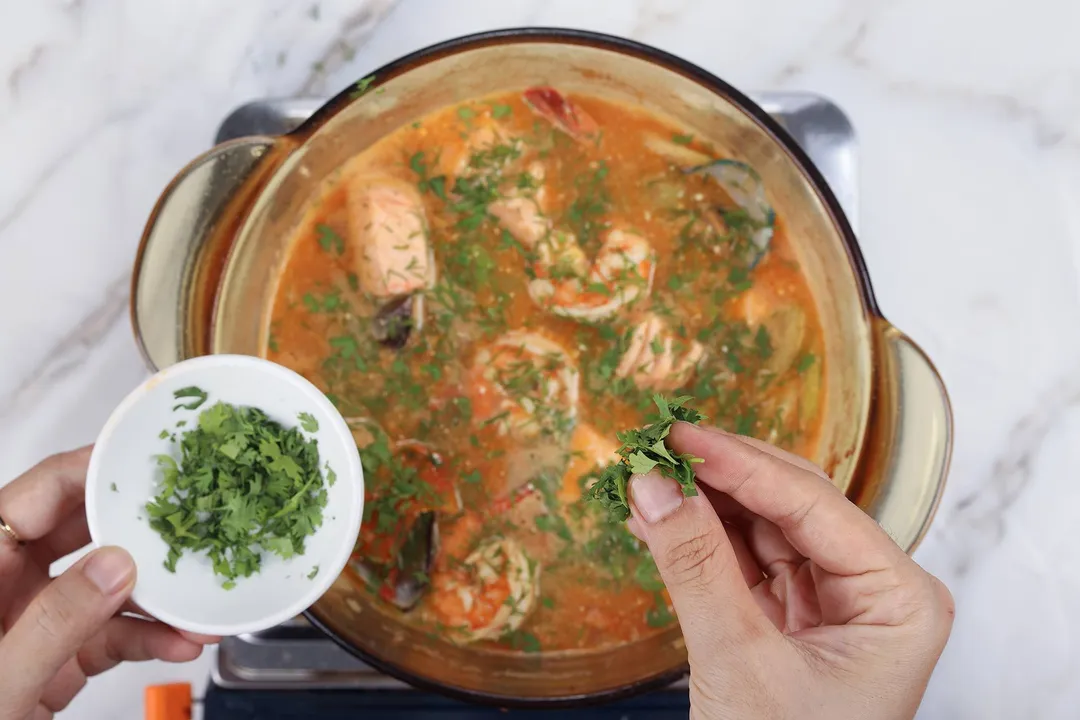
x=487, y=295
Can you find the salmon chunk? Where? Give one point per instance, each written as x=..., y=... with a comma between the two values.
x=389, y=231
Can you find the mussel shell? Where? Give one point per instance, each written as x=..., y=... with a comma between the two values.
x=743, y=185
x=396, y=319
x=415, y=559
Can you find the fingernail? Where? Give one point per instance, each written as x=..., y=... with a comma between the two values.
x=655, y=496
x=110, y=569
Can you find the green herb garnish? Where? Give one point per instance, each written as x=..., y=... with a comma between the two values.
x=680, y=139
x=112, y=486
x=361, y=86
x=329, y=239
x=198, y=394
x=658, y=615
x=308, y=422
x=499, y=111
x=805, y=362
x=436, y=184
x=524, y=641
x=314, y=571
x=243, y=484
x=643, y=451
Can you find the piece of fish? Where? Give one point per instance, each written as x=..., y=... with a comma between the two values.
x=389, y=231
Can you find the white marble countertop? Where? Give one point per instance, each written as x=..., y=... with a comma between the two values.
x=968, y=114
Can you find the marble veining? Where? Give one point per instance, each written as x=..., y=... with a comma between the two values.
x=968, y=113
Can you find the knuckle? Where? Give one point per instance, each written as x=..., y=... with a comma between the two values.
x=930, y=605
x=55, y=615
x=694, y=561
x=796, y=516
x=945, y=606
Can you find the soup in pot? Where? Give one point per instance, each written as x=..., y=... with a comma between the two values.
x=488, y=295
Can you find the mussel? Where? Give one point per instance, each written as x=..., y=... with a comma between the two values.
x=396, y=319
x=743, y=185
x=410, y=576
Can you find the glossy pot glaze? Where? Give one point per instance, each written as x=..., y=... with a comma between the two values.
x=207, y=271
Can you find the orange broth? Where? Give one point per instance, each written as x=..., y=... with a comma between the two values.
x=596, y=584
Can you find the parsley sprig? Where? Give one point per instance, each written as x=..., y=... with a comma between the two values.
x=243, y=484
x=643, y=451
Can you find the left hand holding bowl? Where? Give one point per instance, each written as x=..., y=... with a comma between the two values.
x=57, y=632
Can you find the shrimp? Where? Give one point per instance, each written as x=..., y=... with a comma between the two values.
x=493, y=589
x=520, y=210
x=568, y=116
x=486, y=134
x=526, y=384
x=621, y=273
x=490, y=594
x=657, y=359
x=389, y=229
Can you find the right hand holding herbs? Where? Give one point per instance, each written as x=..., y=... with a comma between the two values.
x=792, y=601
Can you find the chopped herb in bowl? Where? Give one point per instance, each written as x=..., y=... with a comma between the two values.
x=240, y=485
x=644, y=450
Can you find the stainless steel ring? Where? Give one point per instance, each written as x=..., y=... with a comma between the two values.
x=10, y=532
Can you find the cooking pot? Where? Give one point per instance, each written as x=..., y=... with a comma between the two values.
x=205, y=276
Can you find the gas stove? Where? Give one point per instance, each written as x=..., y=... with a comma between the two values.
x=297, y=656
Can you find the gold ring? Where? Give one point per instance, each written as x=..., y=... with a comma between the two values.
x=10, y=532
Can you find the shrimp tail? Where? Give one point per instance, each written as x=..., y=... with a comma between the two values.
x=553, y=106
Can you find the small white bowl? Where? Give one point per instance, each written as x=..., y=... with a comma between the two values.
x=123, y=476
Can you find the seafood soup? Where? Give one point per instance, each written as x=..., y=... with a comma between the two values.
x=488, y=295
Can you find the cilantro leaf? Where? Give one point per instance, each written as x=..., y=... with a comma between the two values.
x=640, y=463
x=329, y=239
x=308, y=422
x=361, y=86
x=643, y=451
x=190, y=392
x=239, y=486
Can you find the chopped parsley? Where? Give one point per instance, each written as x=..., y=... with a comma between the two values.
x=763, y=343
x=198, y=394
x=242, y=485
x=805, y=362
x=329, y=240
x=680, y=139
x=524, y=641
x=436, y=184
x=658, y=615
x=643, y=451
x=361, y=87
x=308, y=422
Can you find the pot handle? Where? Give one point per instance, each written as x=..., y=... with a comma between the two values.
x=184, y=245
x=909, y=443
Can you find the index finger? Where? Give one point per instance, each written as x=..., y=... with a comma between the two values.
x=817, y=519
x=37, y=501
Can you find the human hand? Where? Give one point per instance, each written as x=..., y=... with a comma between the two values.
x=792, y=601
x=57, y=633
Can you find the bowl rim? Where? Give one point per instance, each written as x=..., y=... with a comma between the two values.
x=334, y=563
x=668, y=61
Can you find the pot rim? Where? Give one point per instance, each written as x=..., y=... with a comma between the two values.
x=669, y=62
x=480, y=697
x=633, y=48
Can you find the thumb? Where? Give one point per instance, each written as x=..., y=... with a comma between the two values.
x=55, y=625
x=697, y=563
